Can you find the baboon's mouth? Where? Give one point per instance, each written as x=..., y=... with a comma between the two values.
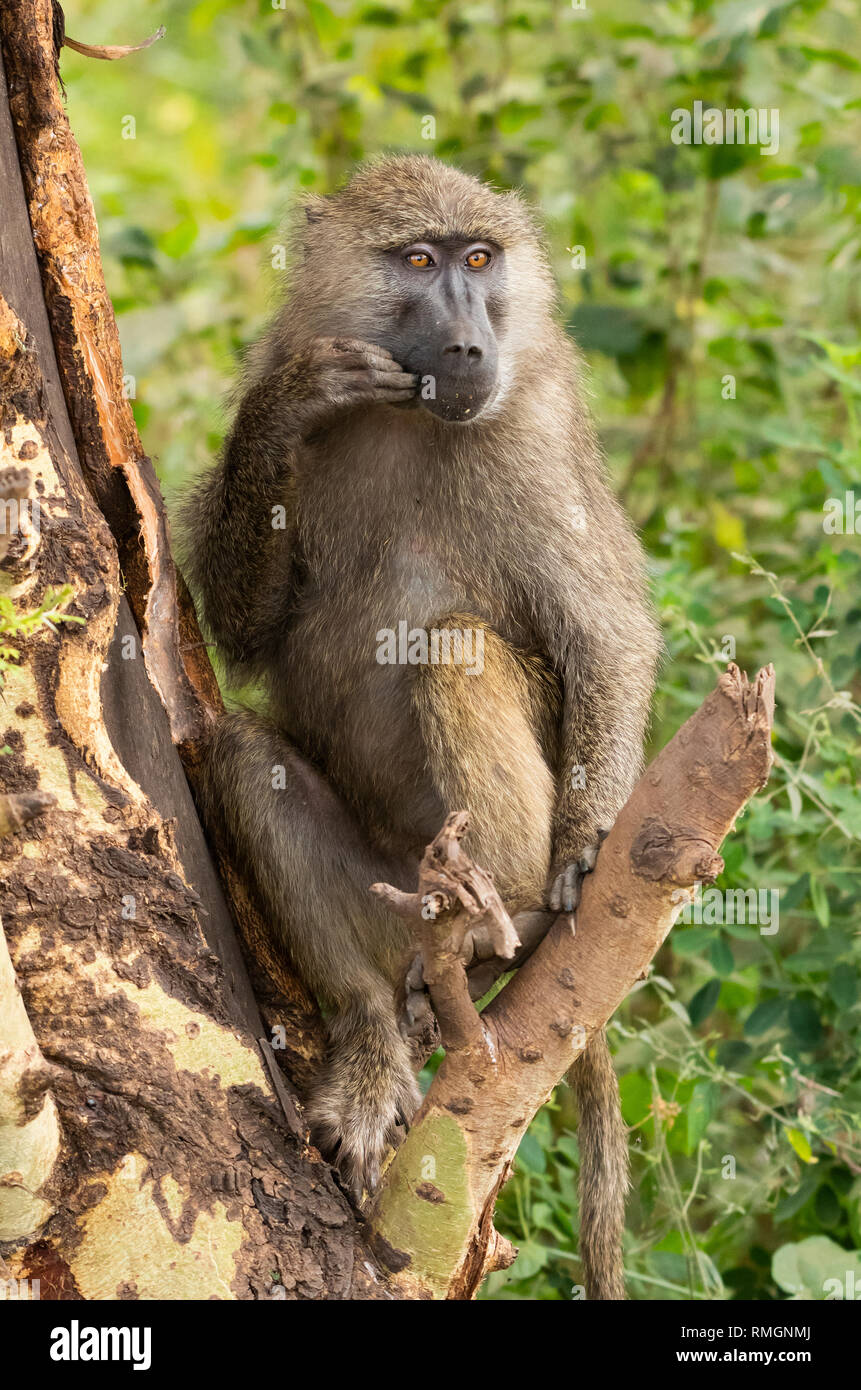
x=459, y=402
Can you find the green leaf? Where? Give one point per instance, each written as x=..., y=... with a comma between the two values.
x=531, y=1154
x=514, y=115
x=606, y=328
x=180, y=239
x=804, y=1022
x=636, y=1094
x=765, y=1016
x=792, y=1203
x=732, y=1053
x=700, y=1110
x=801, y=1144
x=325, y=22
x=532, y=1256
x=816, y=1268
x=819, y=898
x=843, y=986
x=838, y=56
x=703, y=1002
x=827, y=1206
x=721, y=957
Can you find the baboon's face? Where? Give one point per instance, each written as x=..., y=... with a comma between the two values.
x=448, y=301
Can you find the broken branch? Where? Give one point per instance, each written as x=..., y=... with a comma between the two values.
x=457, y=915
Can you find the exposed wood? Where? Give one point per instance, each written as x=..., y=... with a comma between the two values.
x=29, y=1127
x=456, y=916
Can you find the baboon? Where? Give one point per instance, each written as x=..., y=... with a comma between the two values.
x=412, y=447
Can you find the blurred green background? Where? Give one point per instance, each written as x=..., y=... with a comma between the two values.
x=717, y=298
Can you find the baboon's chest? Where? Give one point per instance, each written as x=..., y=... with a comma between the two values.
x=380, y=523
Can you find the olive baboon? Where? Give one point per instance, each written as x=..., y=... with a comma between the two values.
x=413, y=449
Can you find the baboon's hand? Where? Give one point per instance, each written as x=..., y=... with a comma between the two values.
x=567, y=884
x=337, y=373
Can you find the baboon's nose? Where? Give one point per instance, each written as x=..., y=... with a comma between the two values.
x=468, y=350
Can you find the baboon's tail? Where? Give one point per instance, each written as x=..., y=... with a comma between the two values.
x=604, y=1180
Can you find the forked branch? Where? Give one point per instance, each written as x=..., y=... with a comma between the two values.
x=435, y=1233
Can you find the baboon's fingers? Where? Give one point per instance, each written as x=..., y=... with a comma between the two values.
x=354, y=345
x=370, y=383
x=400, y=379
x=393, y=397
x=350, y=362
x=565, y=892
x=415, y=977
x=355, y=348
x=564, y=895
x=572, y=881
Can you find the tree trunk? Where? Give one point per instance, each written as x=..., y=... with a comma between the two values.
x=183, y=1169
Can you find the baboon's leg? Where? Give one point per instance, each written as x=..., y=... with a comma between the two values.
x=484, y=755
x=312, y=869
x=479, y=724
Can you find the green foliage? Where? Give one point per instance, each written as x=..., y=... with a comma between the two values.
x=15, y=626
x=719, y=307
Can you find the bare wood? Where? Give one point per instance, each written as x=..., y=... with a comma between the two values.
x=665, y=839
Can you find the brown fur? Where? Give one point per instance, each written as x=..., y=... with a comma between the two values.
x=394, y=515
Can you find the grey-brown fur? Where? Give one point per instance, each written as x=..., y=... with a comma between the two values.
x=393, y=514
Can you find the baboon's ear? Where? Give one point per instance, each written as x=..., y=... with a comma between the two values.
x=315, y=207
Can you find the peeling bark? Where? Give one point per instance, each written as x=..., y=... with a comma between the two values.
x=120, y=475
x=180, y=1175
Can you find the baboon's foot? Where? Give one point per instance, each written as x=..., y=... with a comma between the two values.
x=359, y=1110
x=565, y=890
x=416, y=1017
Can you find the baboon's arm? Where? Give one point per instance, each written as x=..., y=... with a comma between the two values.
x=234, y=521
x=232, y=516
x=605, y=712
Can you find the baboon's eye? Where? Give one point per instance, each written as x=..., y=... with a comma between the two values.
x=419, y=260
x=478, y=259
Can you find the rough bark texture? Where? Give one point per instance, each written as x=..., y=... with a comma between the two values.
x=181, y=1175
x=432, y=1220
x=29, y=1127
x=82, y=329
